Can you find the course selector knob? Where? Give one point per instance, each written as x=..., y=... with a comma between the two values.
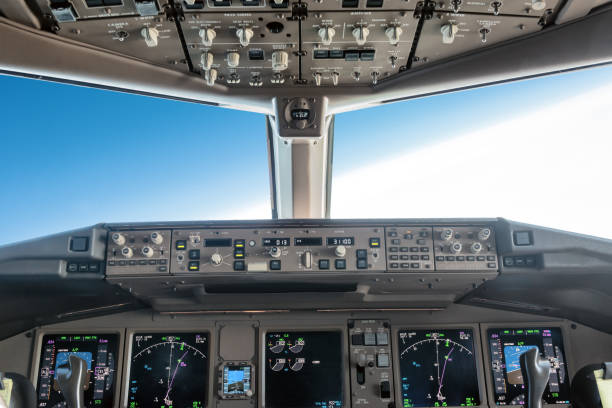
x=340, y=251
x=327, y=35
x=216, y=259
x=118, y=239
x=207, y=35
x=147, y=251
x=361, y=34
x=244, y=35
x=127, y=252
x=275, y=252
x=150, y=36
x=157, y=238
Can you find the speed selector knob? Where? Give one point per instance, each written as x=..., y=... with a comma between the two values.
x=476, y=247
x=216, y=259
x=455, y=247
x=210, y=76
x=280, y=60
x=484, y=234
x=207, y=60
x=207, y=35
x=340, y=251
x=147, y=251
x=393, y=34
x=244, y=35
x=361, y=34
x=118, y=239
x=326, y=34
x=233, y=59
x=157, y=238
x=127, y=252
x=150, y=36
x=275, y=252
x=448, y=33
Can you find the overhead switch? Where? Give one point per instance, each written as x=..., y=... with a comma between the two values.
x=150, y=36
x=233, y=59
x=361, y=34
x=244, y=35
x=280, y=60
x=207, y=60
x=210, y=76
x=207, y=35
x=448, y=33
x=327, y=34
x=393, y=34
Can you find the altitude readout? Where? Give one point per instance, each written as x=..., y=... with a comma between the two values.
x=168, y=370
x=506, y=347
x=304, y=370
x=276, y=242
x=438, y=368
x=99, y=352
x=335, y=241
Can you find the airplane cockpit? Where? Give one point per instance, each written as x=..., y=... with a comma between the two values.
x=309, y=305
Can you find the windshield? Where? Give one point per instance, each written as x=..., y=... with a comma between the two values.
x=535, y=151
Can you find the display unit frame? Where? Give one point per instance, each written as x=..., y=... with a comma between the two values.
x=567, y=348
x=120, y=332
x=129, y=338
x=480, y=375
x=306, y=327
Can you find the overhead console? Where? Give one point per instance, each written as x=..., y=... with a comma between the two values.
x=286, y=43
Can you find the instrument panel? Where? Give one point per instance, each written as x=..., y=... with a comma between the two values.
x=363, y=363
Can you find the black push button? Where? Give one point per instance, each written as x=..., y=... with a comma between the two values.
x=394, y=257
x=94, y=267
x=194, y=254
x=239, y=253
x=340, y=263
x=275, y=265
x=194, y=266
x=239, y=265
x=357, y=339
x=239, y=243
x=324, y=264
x=385, y=390
x=83, y=267
x=181, y=244
x=79, y=244
x=374, y=242
x=72, y=267
x=523, y=238
x=362, y=263
x=362, y=253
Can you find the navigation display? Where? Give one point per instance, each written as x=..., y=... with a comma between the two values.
x=304, y=370
x=168, y=370
x=438, y=368
x=506, y=347
x=99, y=352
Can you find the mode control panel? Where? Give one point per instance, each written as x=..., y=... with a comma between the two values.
x=138, y=252
x=370, y=363
x=465, y=248
x=409, y=248
x=278, y=250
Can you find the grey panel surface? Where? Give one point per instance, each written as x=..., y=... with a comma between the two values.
x=237, y=340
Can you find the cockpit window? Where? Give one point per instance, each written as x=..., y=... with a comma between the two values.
x=537, y=151
x=73, y=156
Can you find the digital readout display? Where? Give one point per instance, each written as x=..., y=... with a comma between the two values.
x=335, y=241
x=276, y=242
x=309, y=241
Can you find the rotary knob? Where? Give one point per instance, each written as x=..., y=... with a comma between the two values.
x=157, y=238
x=207, y=35
x=244, y=35
x=216, y=258
x=280, y=60
x=118, y=239
x=455, y=247
x=207, y=60
x=275, y=252
x=210, y=76
x=538, y=5
x=150, y=36
x=147, y=251
x=393, y=34
x=476, y=247
x=361, y=34
x=326, y=34
x=448, y=33
x=446, y=234
x=233, y=59
x=484, y=234
x=127, y=252
x=340, y=251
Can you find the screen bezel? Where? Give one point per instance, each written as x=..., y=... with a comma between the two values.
x=120, y=355
x=342, y=329
x=243, y=396
x=484, y=328
x=127, y=356
x=480, y=376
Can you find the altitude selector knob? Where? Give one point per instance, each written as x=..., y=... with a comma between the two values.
x=244, y=35
x=118, y=239
x=455, y=247
x=157, y=238
x=147, y=251
x=127, y=252
x=340, y=251
x=216, y=259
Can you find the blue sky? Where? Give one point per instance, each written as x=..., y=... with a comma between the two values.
x=73, y=156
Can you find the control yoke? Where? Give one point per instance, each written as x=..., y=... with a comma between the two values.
x=536, y=372
x=72, y=379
